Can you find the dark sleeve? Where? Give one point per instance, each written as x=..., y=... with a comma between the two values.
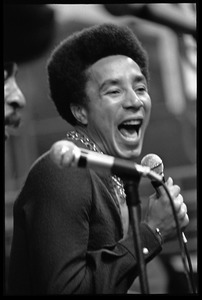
x=115, y=269
x=57, y=217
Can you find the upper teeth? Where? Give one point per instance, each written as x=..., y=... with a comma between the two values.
x=132, y=122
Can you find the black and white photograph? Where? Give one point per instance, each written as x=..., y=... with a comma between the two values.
x=100, y=176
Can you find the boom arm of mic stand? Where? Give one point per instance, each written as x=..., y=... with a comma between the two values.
x=133, y=203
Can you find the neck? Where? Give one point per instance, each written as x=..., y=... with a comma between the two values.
x=83, y=131
x=79, y=134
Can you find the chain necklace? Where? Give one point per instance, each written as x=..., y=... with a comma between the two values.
x=117, y=182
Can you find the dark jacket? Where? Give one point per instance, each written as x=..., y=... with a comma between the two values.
x=68, y=235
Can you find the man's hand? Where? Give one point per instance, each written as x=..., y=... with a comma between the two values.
x=159, y=213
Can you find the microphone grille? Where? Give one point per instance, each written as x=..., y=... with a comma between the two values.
x=62, y=153
x=154, y=162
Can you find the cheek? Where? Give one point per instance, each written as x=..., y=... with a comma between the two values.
x=147, y=108
x=104, y=122
x=102, y=115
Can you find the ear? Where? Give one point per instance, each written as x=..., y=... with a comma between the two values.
x=80, y=113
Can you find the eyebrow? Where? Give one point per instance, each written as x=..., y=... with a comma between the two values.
x=116, y=81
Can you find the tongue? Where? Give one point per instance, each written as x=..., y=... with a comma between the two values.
x=129, y=132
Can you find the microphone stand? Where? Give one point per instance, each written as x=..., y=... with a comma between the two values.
x=133, y=203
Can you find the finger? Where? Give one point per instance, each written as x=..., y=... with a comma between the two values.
x=182, y=211
x=178, y=202
x=174, y=188
x=174, y=191
x=161, y=190
x=185, y=207
x=169, y=182
x=185, y=221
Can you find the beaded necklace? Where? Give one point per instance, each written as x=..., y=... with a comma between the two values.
x=117, y=182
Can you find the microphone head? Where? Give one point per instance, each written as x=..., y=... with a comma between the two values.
x=154, y=162
x=62, y=153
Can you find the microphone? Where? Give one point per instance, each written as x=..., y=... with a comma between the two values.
x=67, y=154
x=154, y=162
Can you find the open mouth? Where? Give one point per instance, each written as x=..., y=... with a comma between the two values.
x=130, y=128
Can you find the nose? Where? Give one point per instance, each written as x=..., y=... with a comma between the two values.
x=132, y=100
x=14, y=96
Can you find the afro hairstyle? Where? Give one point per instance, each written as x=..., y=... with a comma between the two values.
x=74, y=55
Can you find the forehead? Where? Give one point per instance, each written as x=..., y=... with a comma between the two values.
x=114, y=66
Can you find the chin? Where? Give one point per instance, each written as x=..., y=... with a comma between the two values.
x=133, y=155
x=129, y=154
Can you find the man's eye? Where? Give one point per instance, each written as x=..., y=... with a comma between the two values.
x=113, y=92
x=141, y=89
